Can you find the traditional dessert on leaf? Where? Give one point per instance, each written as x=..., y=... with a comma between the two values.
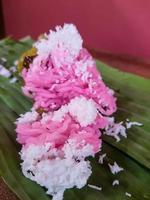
x=74, y=103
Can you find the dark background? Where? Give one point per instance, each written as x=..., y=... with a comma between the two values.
x=115, y=26
x=2, y=29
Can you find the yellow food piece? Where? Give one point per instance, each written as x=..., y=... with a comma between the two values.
x=30, y=52
x=40, y=110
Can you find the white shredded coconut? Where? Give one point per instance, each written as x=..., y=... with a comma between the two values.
x=95, y=187
x=13, y=69
x=84, y=110
x=13, y=80
x=128, y=194
x=3, y=59
x=130, y=124
x=59, y=195
x=115, y=182
x=115, y=168
x=16, y=62
x=28, y=117
x=7, y=73
x=59, y=114
x=4, y=72
x=46, y=117
x=110, y=91
x=115, y=129
x=66, y=37
x=72, y=148
x=101, y=158
x=118, y=129
x=81, y=69
x=55, y=171
x=31, y=154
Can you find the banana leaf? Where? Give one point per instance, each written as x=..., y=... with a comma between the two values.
x=133, y=153
x=11, y=49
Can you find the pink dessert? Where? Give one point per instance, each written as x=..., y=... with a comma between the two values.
x=58, y=75
x=64, y=82
x=69, y=122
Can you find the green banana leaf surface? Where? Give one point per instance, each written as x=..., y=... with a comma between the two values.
x=132, y=154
